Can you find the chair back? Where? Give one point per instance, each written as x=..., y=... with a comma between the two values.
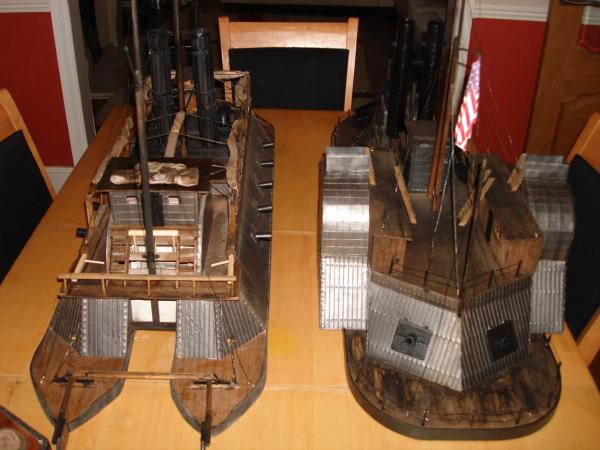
x=25, y=189
x=582, y=274
x=11, y=121
x=298, y=35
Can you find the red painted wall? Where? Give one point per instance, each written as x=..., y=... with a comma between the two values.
x=589, y=38
x=29, y=70
x=511, y=52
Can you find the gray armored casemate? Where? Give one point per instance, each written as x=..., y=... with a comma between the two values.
x=105, y=327
x=550, y=201
x=344, y=238
x=204, y=328
x=414, y=332
x=424, y=334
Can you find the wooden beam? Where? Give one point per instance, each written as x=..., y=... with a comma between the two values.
x=174, y=135
x=466, y=212
x=124, y=375
x=516, y=176
x=405, y=196
x=367, y=152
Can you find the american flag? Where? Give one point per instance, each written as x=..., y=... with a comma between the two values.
x=469, y=108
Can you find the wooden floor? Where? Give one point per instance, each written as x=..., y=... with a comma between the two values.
x=306, y=403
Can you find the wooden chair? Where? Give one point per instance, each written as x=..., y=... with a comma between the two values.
x=25, y=188
x=11, y=121
x=327, y=35
x=587, y=147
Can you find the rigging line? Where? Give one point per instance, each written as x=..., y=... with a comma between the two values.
x=198, y=116
x=229, y=329
x=187, y=114
x=449, y=173
x=198, y=138
x=248, y=381
x=500, y=117
x=486, y=80
x=70, y=346
x=234, y=350
x=71, y=318
x=43, y=379
x=469, y=51
x=232, y=334
x=154, y=117
x=453, y=210
x=437, y=223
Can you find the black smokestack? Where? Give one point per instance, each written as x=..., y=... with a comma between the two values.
x=431, y=68
x=204, y=85
x=400, y=77
x=160, y=71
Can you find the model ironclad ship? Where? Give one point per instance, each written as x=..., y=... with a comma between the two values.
x=180, y=243
x=445, y=312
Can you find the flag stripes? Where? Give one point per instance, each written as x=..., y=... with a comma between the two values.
x=469, y=107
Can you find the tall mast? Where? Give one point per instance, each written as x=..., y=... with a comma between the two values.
x=142, y=146
x=179, y=71
x=445, y=117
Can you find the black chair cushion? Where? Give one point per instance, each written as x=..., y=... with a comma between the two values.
x=294, y=78
x=24, y=198
x=583, y=263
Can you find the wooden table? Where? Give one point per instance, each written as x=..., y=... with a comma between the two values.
x=306, y=403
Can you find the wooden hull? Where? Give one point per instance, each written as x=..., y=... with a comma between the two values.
x=54, y=356
x=87, y=399
x=515, y=403
x=233, y=402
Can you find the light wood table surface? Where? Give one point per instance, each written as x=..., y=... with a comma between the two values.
x=306, y=403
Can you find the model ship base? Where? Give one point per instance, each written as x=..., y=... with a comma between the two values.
x=515, y=403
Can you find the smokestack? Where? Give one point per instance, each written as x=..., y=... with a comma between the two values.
x=400, y=77
x=204, y=85
x=431, y=69
x=160, y=71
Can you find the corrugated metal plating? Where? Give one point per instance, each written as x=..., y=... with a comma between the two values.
x=67, y=319
x=511, y=302
x=548, y=297
x=197, y=330
x=550, y=201
x=126, y=211
x=344, y=238
x=442, y=362
x=104, y=327
x=204, y=328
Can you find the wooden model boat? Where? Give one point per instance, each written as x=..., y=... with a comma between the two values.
x=209, y=277
x=445, y=315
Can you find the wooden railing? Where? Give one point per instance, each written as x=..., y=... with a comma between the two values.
x=157, y=282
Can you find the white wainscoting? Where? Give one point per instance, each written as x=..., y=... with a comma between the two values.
x=58, y=175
